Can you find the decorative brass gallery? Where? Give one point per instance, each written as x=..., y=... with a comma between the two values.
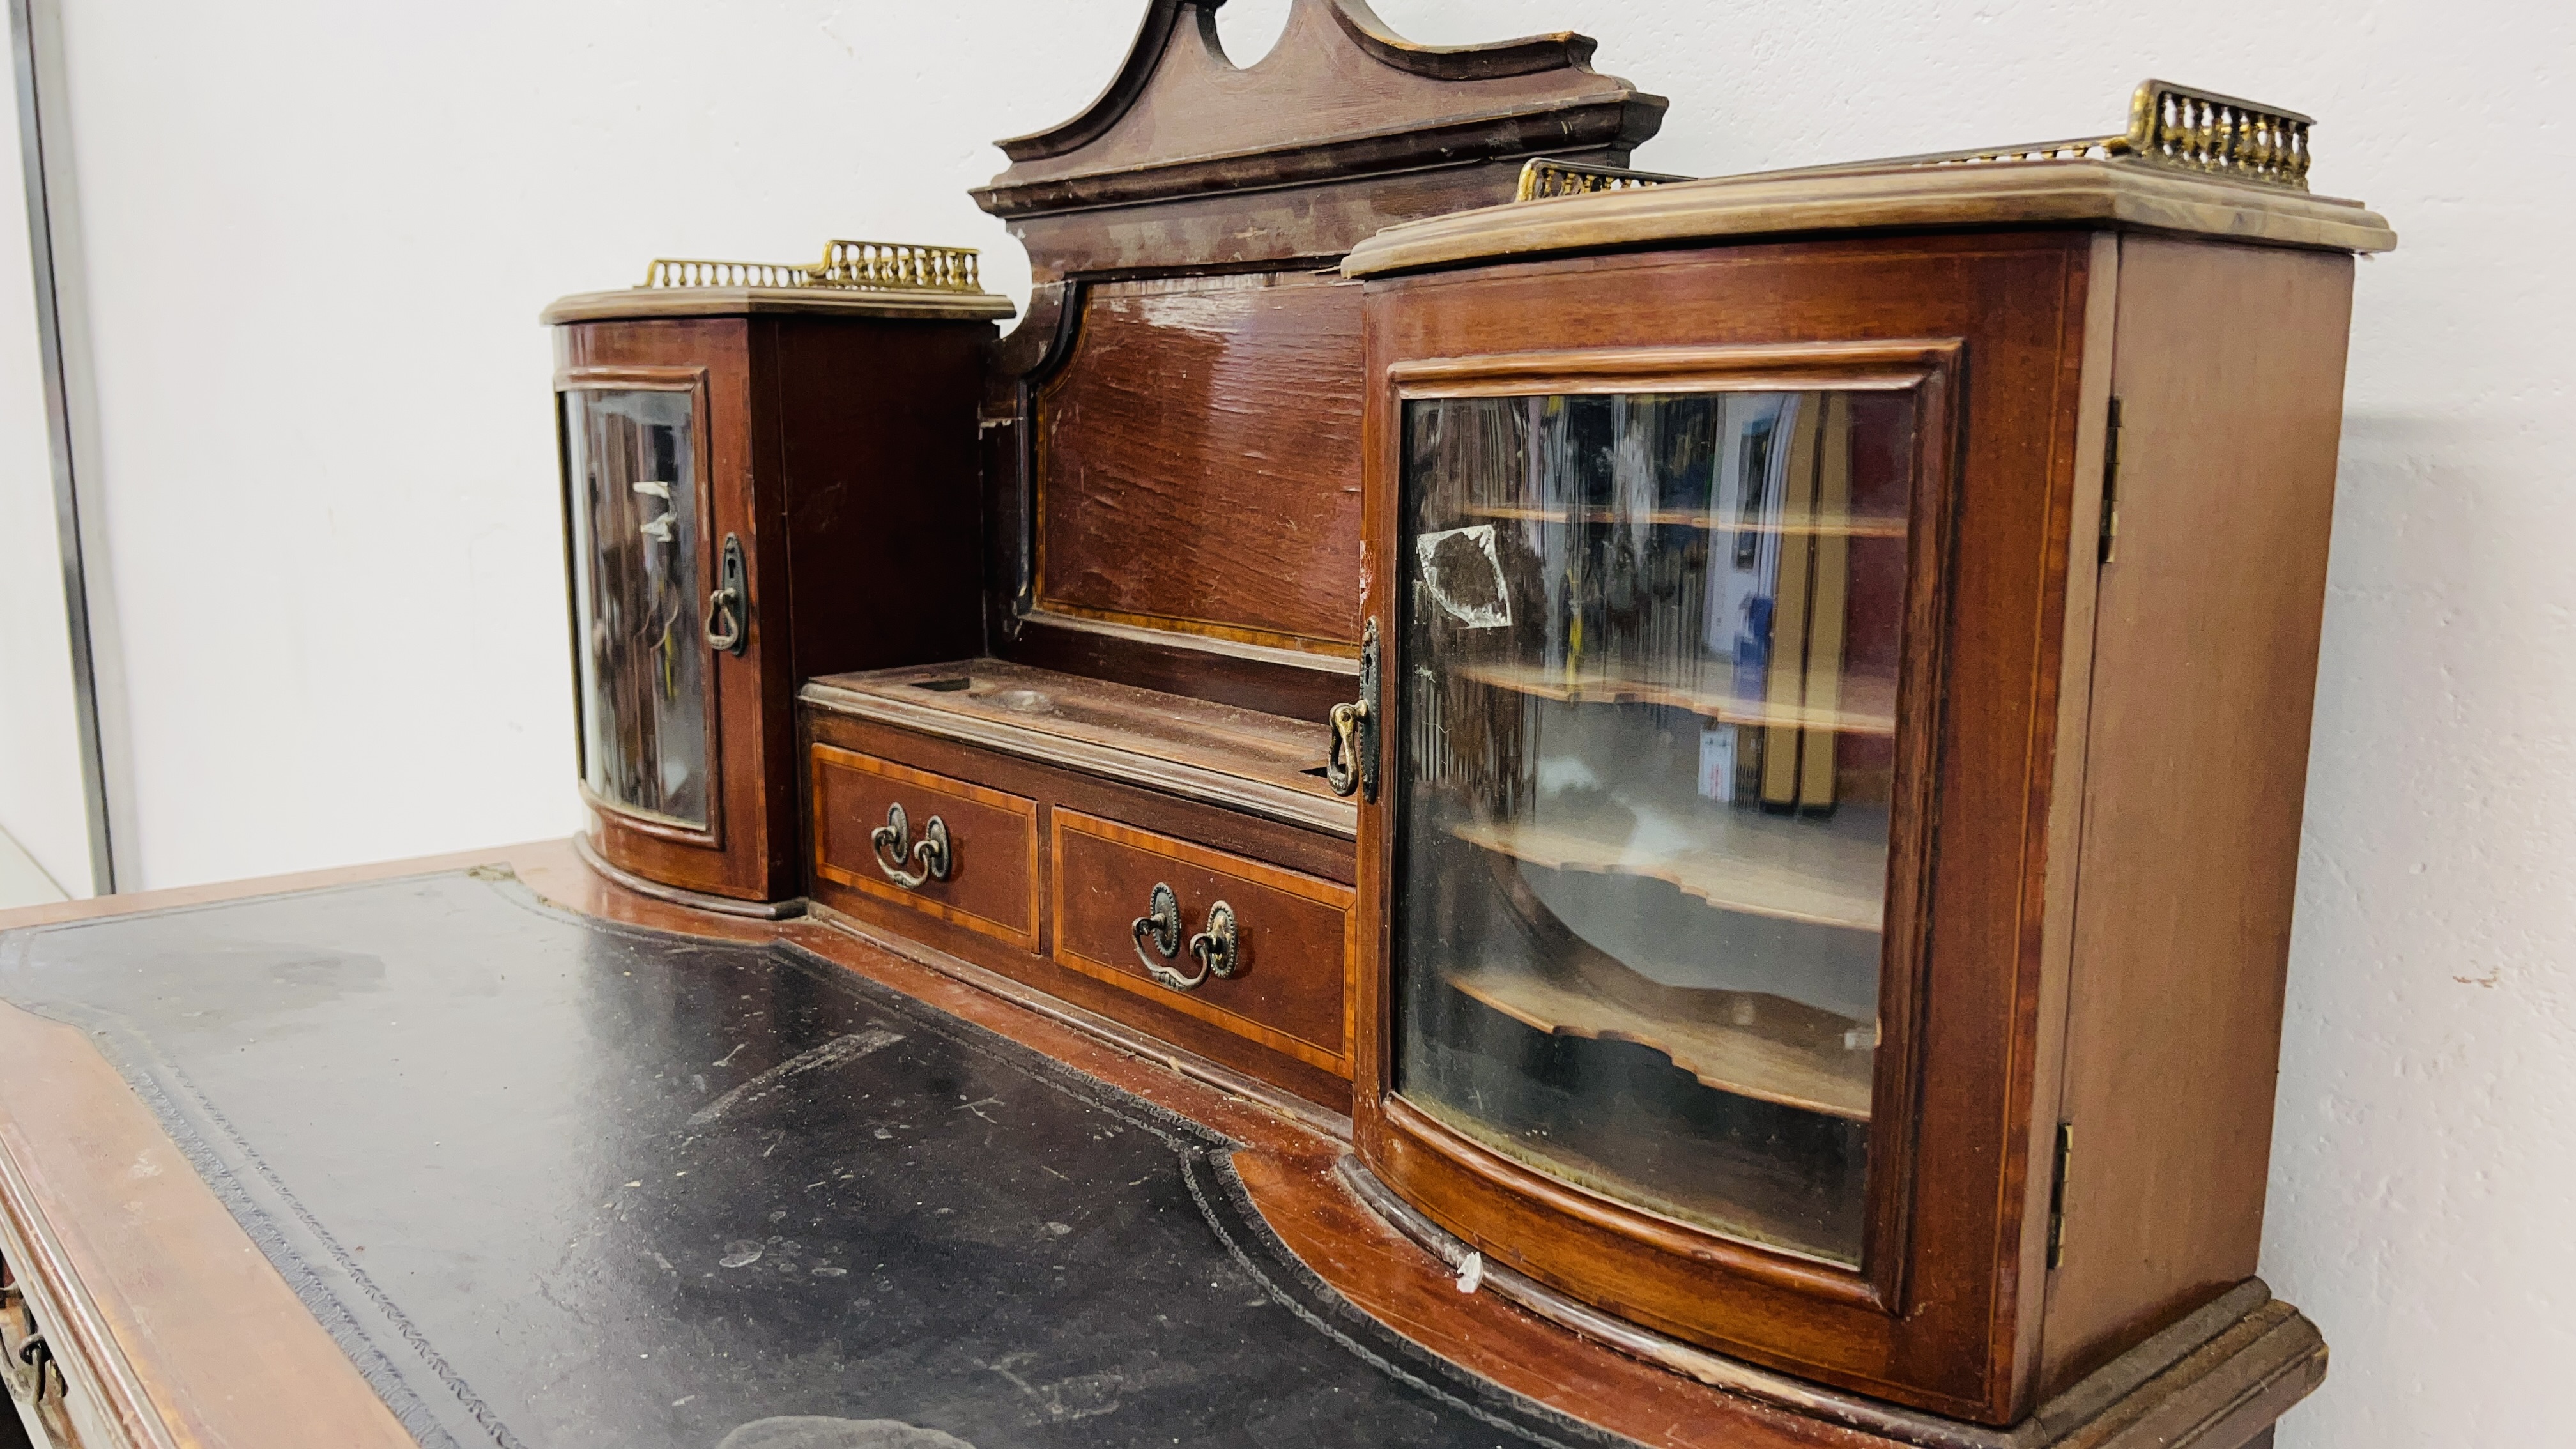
x=850, y=265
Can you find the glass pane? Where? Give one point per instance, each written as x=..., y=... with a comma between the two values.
x=632, y=468
x=1650, y=647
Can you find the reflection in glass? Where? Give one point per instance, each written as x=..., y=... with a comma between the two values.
x=632, y=469
x=1650, y=646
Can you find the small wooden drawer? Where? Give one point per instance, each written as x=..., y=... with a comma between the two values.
x=1292, y=989
x=991, y=879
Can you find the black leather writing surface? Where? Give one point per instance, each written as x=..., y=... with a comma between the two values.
x=553, y=1182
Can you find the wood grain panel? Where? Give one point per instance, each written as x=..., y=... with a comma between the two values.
x=1307, y=853
x=2229, y=366
x=1198, y=461
x=1193, y=664
x=2073, y=694
x=1292, y=992
x=992, y=885
x=874, y=491
x=1241, y=759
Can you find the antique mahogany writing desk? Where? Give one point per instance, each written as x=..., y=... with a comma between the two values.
x=1462, y=796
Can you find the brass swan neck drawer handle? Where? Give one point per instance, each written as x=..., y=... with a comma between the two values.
x=1160, y=929
x=724, y=621
x=1338, y=770
x=1218, y=950
x=727, y=602
x=893, y=845
x=1350, y=766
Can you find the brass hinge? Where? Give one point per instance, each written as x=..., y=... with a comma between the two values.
x=2111, y=486
x=2057, y=1195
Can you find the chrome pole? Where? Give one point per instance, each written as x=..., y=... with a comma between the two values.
x=58, y=427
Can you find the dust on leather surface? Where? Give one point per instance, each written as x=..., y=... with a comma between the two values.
x=554, y=1182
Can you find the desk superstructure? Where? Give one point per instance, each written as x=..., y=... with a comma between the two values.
x=1694, y=784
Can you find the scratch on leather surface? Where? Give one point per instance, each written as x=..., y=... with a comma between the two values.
x=805, y=1431
x=830, y=1054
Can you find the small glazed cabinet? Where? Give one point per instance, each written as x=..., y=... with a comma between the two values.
x=1844, y=711
x=713, y=439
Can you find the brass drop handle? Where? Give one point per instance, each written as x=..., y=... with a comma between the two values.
x=1339, y=771
x=724, y=621
x=892, y=844
x=1350, y=763
x=1218, y=949
x=1160, y=929
x=37, y=1354
x=729, y=601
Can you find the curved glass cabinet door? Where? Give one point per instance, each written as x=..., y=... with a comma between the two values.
x=630, y=465
x=1650, y=645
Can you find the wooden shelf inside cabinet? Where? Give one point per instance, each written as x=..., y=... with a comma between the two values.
x=1819, y=872
x=1836, y=526
x=1868, y=705
x=1263, y=764
x=1757, y=1054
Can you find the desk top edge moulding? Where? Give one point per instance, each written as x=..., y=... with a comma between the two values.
x=1520, y=800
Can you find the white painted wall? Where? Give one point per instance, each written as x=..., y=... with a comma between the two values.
x=317, y=234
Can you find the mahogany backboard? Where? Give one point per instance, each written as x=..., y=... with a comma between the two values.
x=1198, y=460
x=1177, y=501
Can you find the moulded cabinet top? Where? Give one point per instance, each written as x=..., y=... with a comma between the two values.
x=627, y=302
x=1900, y=195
